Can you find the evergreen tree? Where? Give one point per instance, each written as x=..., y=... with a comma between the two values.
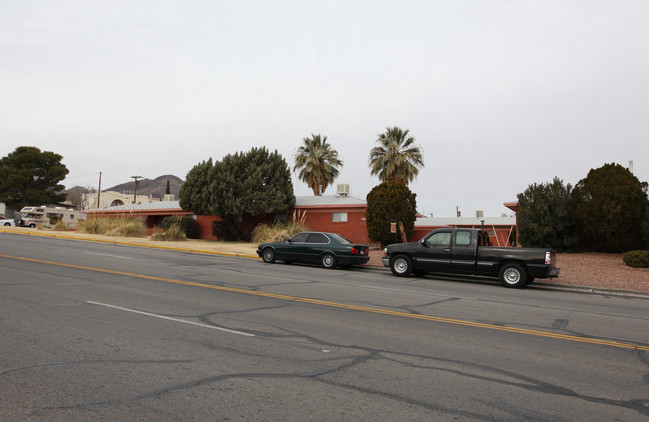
x=246, y=187
x=31, y=177
x=609, y=206
x=388, y=202
x=645, y=229
x=543, y=216
x=194, y=194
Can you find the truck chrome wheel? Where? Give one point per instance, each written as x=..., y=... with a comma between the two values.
x=401, y=266
x=513, y=275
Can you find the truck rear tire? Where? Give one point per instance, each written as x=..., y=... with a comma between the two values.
x=513, y=275
x=401, y=266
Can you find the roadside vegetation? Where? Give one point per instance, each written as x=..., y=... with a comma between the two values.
x=113, y=226
x=637, y=259
x=175, y=226
x=606, y=211
x=279, y=232
x=60, y=226
x=173, y=233
x=276, y=232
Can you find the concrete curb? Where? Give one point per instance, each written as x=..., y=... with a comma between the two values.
x=119, y=242
x=540, y=285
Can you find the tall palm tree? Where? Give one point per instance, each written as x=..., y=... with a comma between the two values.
x=397, y=158
x=317, y=163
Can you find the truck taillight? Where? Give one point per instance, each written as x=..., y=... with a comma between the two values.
x=548, y=258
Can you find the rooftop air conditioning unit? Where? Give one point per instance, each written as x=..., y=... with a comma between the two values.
x=342, y=189
x=479, y=213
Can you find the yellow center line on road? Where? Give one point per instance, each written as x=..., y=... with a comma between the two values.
x=345, y=306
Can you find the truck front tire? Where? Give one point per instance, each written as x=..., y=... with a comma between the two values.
x=401, y=266
x=513, y=275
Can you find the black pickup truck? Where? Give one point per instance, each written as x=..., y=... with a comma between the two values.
x=468, y=251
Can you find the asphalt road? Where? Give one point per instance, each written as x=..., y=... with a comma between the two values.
x=106, y=332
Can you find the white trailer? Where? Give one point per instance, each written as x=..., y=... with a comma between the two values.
x=47, y=216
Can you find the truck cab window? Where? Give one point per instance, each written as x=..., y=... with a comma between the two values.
x=443, y=239
x=462, y=238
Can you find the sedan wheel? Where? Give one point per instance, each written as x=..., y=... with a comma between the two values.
x=328, y=260
x=268, y=255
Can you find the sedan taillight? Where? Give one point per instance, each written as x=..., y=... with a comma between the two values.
x=548, y=258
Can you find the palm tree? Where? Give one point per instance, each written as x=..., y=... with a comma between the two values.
x=317, y=163
x=397, y=158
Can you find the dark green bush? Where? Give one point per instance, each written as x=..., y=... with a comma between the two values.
x=188, y=225
x=637, y=259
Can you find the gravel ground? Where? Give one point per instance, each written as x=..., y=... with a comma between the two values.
x=591, y=270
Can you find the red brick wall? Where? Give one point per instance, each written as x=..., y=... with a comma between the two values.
x=205, y=226
x=354, y=229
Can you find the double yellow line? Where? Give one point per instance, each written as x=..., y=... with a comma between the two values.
x=346, y=306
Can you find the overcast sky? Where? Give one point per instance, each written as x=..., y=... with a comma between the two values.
x=499, y=94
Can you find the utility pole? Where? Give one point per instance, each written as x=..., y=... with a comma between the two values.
x=135, y=190
x=99, y=192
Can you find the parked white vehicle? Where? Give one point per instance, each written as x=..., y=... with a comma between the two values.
x=6, y=221
x=47, y=216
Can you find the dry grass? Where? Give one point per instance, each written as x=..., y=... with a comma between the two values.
x=60, y=226
x=118, y=226
x=277, y=232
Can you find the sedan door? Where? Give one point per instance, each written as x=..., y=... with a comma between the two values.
x=316, y=244
x=293, y=249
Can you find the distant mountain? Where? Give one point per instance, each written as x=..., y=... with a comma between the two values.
x=156, y=187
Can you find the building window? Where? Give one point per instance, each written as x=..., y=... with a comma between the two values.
x=338, y=217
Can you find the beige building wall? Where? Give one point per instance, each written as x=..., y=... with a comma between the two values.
x=111, y=199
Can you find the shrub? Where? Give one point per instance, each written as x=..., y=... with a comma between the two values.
x=60, y=226
x=187, y=225
x=173, y=233
x=637, y=259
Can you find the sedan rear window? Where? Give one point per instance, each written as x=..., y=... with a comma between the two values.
x=317, y=238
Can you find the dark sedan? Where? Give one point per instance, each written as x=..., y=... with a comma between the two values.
x=327, y=249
